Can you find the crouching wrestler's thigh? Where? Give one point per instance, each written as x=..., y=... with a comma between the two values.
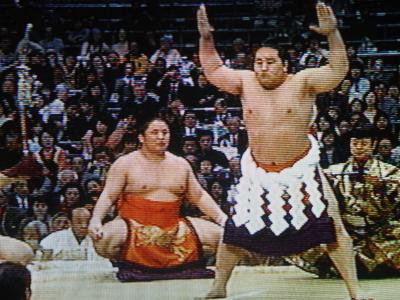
x=115, y=234
x=209, y=233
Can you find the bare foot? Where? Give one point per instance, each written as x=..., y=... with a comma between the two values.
x=216, y=294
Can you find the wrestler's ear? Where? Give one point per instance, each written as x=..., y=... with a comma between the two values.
x=141, y=138
x=285, y=65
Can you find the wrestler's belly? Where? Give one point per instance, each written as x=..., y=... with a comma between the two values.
x=155, y=195
x=278, y=147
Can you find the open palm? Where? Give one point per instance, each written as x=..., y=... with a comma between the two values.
x=203, y=24
x=326, y=19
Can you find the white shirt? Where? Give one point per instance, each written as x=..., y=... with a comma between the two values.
x=56, y=107
x=65, y=246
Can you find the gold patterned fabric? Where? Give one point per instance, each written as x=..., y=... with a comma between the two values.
x=370, y=208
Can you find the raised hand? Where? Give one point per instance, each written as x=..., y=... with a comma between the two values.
x=203, y=25
x=326, y=19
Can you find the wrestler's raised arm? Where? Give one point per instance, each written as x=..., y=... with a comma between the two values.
x=326, y=78
x=200, y=198
x=115, y=183
x=219, y=75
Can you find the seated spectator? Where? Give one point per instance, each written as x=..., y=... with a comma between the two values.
x=71, y=196
x=74, y=242
x=172, y=87
x=40, y=68
x=376, y=72
x=190, y=124
x=99, y=165
x=382, y=127
x=357, y=106
x=371, y=110
x=7, y=55
x=156, y=73
x=190, y=145
x=235, y=137
x=12, y=149
x=20, y=197
x=71, y=68
x=196, y=68
x=359, y=121
x=139, y=59
x=344, y=93
x=359, y=83
x=15, y=281
x=34, y=136
x=368, y=201
x=390, y=104
x=32, y=232
x=205, y=172
x=94, y=44
x=113, y=70
x=204, y=94
x=324, y=123
x=78, y=34
x=96, y=93
x=220, y=113
x=124, y=85
x=49, y=151
x=122, y=44
x=8, y=96
x=50, y=41
x=40, y=212
x=59, y=221
x=238, y=47
x=235, y=171
x=383, y=151
x=172, y=56
x=78, y=165
x=219, y=194
x=331, y=152
x=208, y=153
x=314, y=56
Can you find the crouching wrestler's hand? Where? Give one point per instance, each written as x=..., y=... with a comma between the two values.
x=95, y=229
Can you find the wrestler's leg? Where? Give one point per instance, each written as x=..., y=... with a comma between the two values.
x=208, y=232
x=341, y=252
x=16, y=251
x=228, y=257
x=115, y=234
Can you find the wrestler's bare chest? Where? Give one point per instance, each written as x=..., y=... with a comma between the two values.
x=163, y=180
x=276, y=118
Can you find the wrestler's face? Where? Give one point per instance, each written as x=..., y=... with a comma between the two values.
x=361, y=149
x=156, y=137
x=270, y=71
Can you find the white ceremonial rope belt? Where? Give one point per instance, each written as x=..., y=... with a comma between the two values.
x=256, y=185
